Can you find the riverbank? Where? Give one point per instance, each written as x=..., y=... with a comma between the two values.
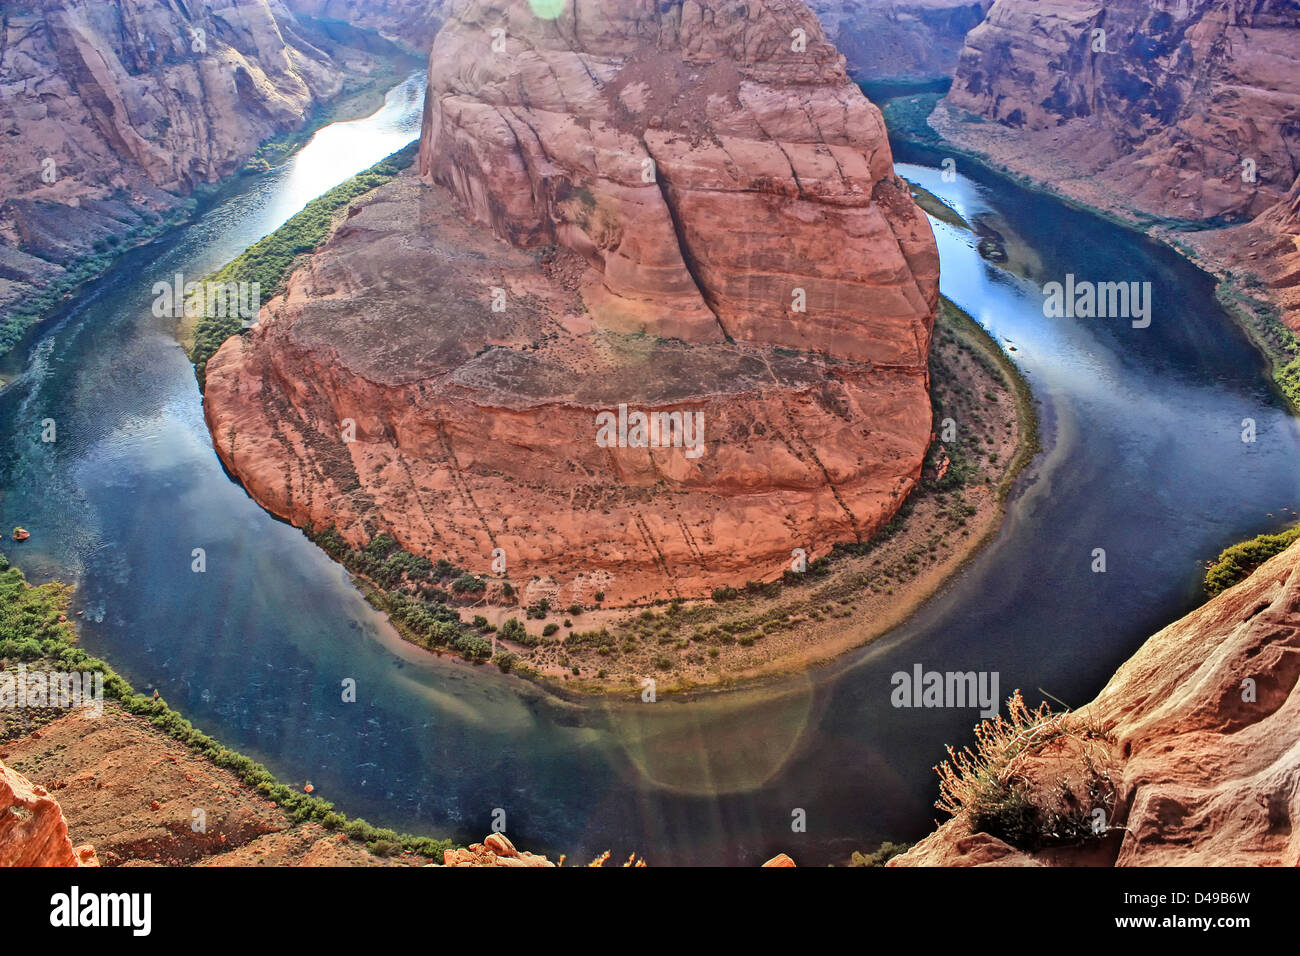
x=987, y=433
x=986, y=425
x=23, y=320
x=269, y=261
x=37, y=636
x=925, y=120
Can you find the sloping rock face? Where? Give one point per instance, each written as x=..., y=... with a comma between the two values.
x=32, y=829
x=1204, y=720
x=112, y=111
x=900, y=39
x=479, y=428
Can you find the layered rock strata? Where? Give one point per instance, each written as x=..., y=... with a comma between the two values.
x=900, y=40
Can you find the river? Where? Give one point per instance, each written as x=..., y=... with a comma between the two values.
x=1142, y=457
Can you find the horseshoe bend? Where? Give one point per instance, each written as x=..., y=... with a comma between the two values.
x=651, y=312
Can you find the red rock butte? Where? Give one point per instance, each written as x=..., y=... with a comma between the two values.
x=680, y=207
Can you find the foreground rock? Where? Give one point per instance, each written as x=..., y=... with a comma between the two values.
x=1202, y=734
x=1168, y=117
x=705, y=224
x=32, y=829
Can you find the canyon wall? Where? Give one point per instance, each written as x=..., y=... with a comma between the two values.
x=1201, y=741
x=900, y=40
x=685, y=209
x=409, y=23
x=113, y=111
x=1177, y=114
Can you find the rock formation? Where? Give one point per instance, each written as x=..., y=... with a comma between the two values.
x=1201, y=724
x=702, y=221
x=113, y=111
x=32, y=829
x=1168, y=113
x=409, y=23
x=900, y=39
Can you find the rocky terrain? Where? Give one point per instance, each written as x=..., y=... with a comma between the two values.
x=685, y=210
x=112, y=112
x=1176, y=116
x=900, y=40
x=129, y=793
x=1198, y=742
x=32, y=829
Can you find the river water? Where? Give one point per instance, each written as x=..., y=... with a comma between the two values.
x=1142, y=457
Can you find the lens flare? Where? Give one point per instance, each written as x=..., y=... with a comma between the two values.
x=547, y=9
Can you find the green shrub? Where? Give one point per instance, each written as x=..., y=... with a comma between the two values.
x=1236, y=563
x=269, y=261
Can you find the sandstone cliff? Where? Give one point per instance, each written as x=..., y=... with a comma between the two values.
x=1201, y=744
x=701, y=221
x=1172, y=114
x=900, y=39
x=114, y=111
x=32, y=829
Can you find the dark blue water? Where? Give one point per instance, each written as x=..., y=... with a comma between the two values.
x=1142, y=457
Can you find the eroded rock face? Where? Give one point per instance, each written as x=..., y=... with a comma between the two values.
x=703, y=166
x=1203, y=719
x=1169, y=103
x=32, y=829
x=478, y=429
x=112, y=111
x=900, y=39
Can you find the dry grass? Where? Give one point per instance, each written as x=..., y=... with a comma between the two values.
x=1034, y=778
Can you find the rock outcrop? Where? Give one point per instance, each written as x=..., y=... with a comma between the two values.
x=1169, y=114
x=495, y=850
x=702, y=221
x=114, y=111
x=32, y=829
x=1201, y=726
x=900, y=40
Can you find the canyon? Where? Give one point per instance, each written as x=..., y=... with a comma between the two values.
x=1176, y=117
x=687, y=211
x=113, y=113
x=900, y=40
